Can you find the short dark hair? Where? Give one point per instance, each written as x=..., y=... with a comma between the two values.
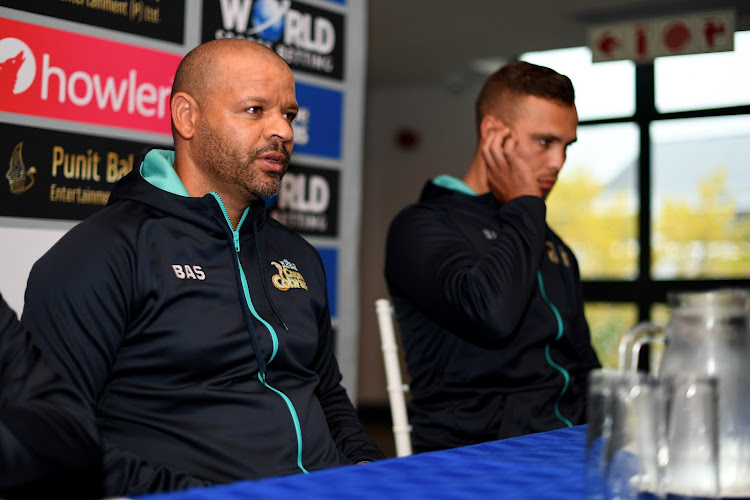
x=522, y=78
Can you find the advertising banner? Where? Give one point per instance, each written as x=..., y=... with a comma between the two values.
x=308, y=38
x=308, y=202
x=52, y=73
x=150, y=18
x=318, y=126
x=330, y=258
x=57, y=175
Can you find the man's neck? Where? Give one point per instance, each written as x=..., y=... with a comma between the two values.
x=197, y=185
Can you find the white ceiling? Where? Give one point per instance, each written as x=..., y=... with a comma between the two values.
x=428, y=41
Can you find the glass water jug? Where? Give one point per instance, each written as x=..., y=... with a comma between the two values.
x=708, y=333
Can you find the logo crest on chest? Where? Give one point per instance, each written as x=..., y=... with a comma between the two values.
x=288, y=276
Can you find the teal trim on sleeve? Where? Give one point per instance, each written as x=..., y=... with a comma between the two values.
x=450, y=182
x=158, y=171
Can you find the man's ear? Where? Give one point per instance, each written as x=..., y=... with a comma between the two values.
x=490, y=124
x=184, y=114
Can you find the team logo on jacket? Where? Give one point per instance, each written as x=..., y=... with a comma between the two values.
x=288, y=276
x=552, y=254
x=490, y=234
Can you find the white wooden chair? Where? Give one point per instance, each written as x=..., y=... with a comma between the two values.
x=394, y=382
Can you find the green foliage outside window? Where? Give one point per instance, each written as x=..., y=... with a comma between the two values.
x=703, y=239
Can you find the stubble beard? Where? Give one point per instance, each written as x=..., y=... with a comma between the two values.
x=259, y=183
x=236, y=171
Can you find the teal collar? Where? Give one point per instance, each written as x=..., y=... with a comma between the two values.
x=157, y=168
x=450, y=182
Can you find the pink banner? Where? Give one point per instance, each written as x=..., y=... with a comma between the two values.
x=52, y=73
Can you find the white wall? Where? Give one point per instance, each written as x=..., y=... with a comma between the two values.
x=22, y=242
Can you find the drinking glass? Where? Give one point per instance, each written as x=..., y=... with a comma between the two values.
x=621, y=445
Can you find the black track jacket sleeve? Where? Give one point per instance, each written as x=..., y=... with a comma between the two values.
x=48, y=440
x=479, y=295
x=347, y=431
x=77, y=307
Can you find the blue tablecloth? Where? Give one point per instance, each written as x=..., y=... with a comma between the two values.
x=548, y=465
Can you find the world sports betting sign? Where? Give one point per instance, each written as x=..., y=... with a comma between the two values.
x=319, y=123
x=308, y=201
x=309, y=39
x=57, y=74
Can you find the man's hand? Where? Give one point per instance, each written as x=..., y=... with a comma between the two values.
x=508, y=175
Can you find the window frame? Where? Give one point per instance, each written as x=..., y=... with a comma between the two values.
x=645, y=291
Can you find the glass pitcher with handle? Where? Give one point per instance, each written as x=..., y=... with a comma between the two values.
x=708, y=333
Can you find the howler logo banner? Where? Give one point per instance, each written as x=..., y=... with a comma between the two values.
x=52, y=73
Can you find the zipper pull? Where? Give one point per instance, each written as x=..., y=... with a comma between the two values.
x=236, y=235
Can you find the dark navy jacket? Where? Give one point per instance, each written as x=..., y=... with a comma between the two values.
x=489, y=305
x=207, y=353
x=49, y=446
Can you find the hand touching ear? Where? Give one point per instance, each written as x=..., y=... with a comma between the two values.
x=508, y=175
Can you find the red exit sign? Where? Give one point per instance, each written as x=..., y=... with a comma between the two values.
x=643, y=40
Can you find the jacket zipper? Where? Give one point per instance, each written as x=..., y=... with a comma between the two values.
x=262, y=364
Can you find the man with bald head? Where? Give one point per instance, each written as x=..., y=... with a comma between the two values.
x=197, y=327
x=488, y=298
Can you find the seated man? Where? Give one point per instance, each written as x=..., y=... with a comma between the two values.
x=49, y=445
x=197, y=327
x=487, y=296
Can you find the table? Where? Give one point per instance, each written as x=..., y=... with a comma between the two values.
x=547, y=465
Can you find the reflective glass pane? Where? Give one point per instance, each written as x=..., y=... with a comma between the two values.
x=594, y=206
x=701, y=198
x=703, y=81
x=603, y=90
x=607, y=323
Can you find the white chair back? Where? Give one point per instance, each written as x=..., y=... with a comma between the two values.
x=394, y=382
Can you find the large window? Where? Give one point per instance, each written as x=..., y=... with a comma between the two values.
x=655, y=195
x=704, y=81
x=594, y=207
x=700, y=216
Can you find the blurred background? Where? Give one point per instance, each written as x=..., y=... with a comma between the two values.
x=654, y=196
